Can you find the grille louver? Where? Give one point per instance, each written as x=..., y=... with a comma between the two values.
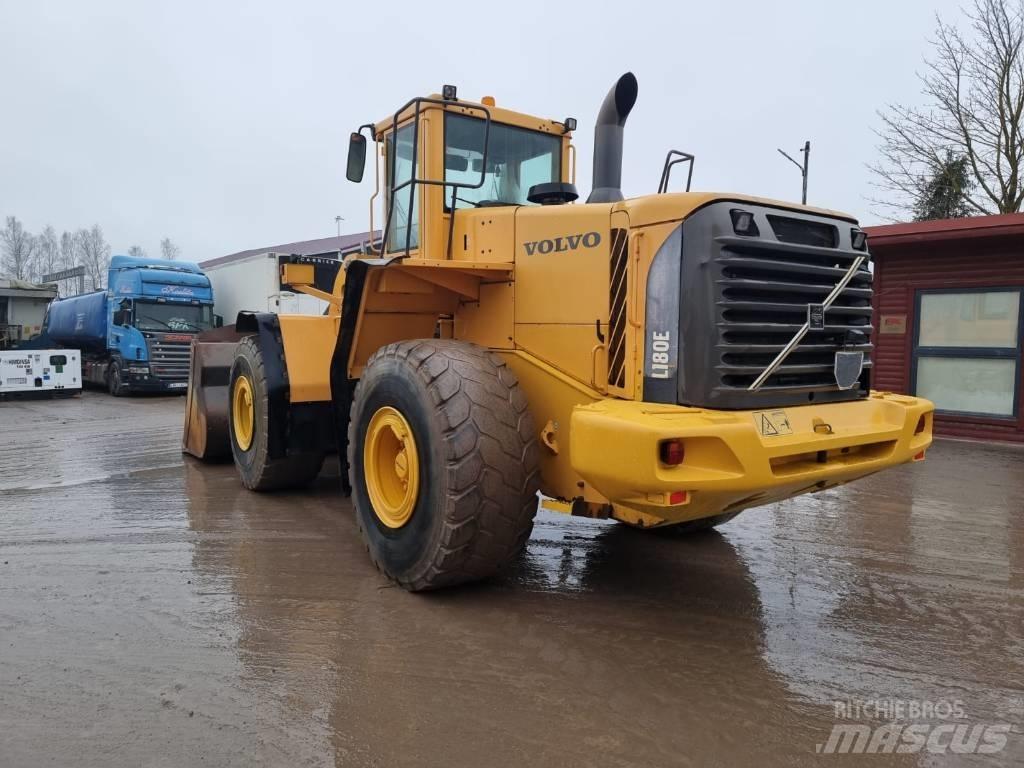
x=618, y=285
x=763, y=289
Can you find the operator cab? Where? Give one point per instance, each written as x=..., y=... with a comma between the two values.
x=438, y=156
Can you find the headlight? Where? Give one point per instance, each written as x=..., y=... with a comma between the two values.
x=138, y=369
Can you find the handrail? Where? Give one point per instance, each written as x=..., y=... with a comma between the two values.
x=673, y=157
x=414, y=178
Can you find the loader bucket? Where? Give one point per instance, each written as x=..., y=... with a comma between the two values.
x=206, y=433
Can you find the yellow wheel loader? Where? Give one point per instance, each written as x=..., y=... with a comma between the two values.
x=666, y=361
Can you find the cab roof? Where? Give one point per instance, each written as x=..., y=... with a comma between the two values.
x=476, y=109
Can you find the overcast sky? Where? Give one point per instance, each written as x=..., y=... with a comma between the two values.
x=224, y=125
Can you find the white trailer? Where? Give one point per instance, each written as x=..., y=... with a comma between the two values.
x=40, y=372
x=253, y=283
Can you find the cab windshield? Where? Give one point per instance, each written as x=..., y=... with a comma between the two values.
x=517, y=159
x=182, y=318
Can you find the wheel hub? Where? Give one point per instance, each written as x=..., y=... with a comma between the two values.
x=242, y=414
x=391, y=467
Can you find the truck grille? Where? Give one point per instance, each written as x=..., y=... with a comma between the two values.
x=763, y=289
x=169, y=360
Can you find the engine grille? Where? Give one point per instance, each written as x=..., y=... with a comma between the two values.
x=618, y=285
x=763, y=289
x=169, y=360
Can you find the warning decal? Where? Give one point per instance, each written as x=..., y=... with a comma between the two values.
x=772, y=423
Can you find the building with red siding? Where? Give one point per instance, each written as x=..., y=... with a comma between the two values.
x=949, y=320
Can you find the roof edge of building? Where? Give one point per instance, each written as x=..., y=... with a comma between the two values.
x=300, y=247
x=967, y=228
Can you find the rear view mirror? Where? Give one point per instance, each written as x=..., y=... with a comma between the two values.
x=453, y=162
x=356, y=157
x=478, y=165
x=121, y=317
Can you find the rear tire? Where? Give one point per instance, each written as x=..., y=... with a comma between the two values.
x=250, y=447
x=462, y=445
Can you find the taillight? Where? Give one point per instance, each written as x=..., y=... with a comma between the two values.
x=671, y=452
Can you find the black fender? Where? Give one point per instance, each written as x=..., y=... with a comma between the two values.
x=342, y=387
x=267, y=329
x=294, y=428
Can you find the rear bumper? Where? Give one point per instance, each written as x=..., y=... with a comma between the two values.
x=738, y=459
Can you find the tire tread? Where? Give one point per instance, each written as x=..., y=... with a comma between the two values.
x=491, y=455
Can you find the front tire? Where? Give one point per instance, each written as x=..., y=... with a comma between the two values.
x=248, y=424
x=114, y=384
x=443, y=463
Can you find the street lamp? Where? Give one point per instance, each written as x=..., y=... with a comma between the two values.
x=339, y=219
x=806, y=152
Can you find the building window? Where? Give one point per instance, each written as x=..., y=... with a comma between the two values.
x=968, y=350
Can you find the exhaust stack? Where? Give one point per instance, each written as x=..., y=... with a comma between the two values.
x=611, y=121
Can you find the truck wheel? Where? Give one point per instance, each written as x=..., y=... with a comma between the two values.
x=248, y=422
x=695, y=526
x=443, y=463
x=114, y=385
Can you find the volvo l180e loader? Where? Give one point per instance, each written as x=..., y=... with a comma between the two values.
x=667, y=360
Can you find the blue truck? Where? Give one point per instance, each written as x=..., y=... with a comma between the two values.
x=136, y=335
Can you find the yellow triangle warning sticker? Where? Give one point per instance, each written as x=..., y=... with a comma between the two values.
x=772, y=423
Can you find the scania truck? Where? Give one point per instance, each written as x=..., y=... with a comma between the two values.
x=135, y=335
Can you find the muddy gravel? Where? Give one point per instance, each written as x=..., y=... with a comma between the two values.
x=154, y=613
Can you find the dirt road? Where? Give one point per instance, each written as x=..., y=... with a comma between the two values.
x=153, y=613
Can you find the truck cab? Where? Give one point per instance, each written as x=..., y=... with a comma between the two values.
x=155, y=308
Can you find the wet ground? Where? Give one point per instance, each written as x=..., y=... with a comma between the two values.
x=153, y=613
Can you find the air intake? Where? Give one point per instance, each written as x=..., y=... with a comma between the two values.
x=617, y=309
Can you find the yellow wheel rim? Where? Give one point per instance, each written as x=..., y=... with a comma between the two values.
x=391, y=466
x=242, y=414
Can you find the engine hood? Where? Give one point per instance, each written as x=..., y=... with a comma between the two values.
x=657, y=209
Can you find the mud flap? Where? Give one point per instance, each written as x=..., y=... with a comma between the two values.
x=206, y=433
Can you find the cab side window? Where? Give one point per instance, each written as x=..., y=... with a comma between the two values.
x=401, y=232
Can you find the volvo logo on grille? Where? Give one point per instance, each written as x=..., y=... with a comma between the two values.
x=816, y=317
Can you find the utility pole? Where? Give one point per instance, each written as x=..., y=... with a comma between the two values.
x=338, y=220
x=806, y=152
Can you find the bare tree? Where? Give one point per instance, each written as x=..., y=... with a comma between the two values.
x=95, y=254
x=19, y=250
x=974, y=86
x=48, y=259
x=68, y=250
x=169, y=250
x=137, y=252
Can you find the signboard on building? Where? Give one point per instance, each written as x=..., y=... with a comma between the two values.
x=893, y=324
x=67, y=274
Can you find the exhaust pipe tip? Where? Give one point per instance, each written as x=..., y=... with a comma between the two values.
x=624, y=93
x=608, y=133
